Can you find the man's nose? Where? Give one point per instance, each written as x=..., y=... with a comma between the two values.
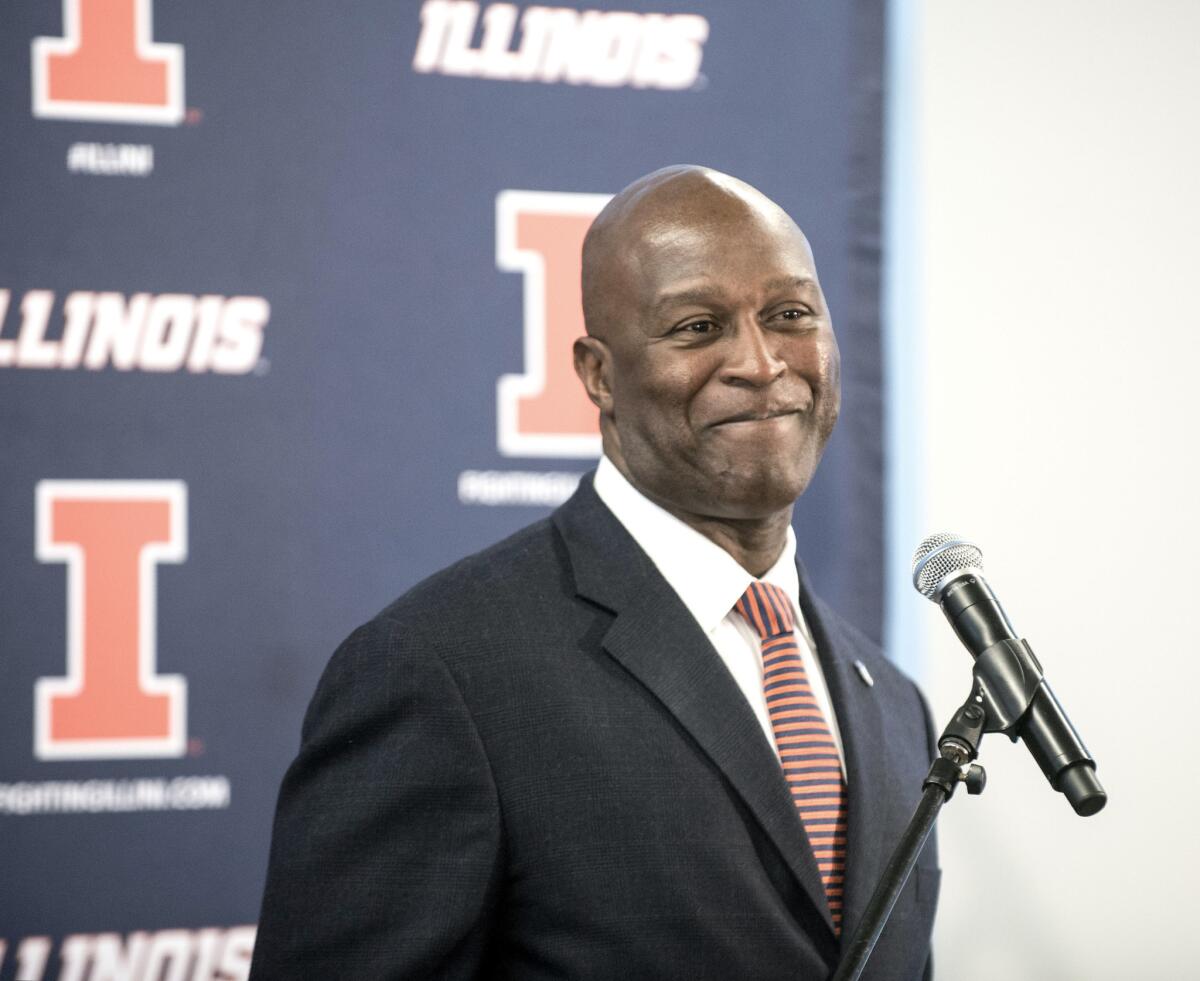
x=752, y=358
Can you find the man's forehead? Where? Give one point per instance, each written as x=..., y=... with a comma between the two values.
x=714, y=251
x=699, y=232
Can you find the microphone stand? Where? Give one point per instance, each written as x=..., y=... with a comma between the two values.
x=1007, y=677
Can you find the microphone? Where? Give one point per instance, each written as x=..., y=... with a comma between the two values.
x=948, y=570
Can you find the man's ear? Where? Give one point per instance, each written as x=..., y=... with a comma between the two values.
x=593, y=365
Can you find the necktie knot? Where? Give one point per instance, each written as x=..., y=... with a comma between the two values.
x=767, y=609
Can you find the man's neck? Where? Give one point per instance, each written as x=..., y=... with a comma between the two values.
x=754, y=543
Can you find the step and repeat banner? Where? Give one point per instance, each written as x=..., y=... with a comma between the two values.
x=287, y=294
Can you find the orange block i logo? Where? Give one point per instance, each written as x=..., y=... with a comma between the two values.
x=544, y=411
x=111, y=534
x=106, y=67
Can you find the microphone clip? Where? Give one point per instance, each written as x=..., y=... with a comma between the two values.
x=1005, y=679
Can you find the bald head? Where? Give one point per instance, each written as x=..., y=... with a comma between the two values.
x=656, y=211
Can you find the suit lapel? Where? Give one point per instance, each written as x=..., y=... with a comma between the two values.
x=860, y=725
x=660, y=644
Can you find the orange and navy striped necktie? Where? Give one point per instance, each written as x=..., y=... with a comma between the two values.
x=806, y=747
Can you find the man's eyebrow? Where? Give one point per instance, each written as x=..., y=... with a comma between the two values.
x=707, y=294
x=697, y=294
x=790, y=282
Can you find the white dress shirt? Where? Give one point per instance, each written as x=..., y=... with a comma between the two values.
x=710, y=582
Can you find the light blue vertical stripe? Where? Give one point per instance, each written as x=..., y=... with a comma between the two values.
x=903, y=362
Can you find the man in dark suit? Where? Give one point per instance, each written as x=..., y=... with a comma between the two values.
x=564, y=757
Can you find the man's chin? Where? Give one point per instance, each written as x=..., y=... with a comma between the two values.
x=757, y=486
x=754, y=496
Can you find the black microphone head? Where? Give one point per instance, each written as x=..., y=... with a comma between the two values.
x=942, y=558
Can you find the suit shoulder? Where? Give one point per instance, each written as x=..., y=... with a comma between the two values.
x=458, y=612
x=482, y=592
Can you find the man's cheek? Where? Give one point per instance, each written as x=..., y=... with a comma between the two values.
x=831, y=362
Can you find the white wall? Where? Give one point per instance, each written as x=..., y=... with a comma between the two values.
x=1051, y=183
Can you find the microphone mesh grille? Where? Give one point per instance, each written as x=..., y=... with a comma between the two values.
x=940, y=556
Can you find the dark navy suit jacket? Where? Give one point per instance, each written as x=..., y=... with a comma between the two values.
x=534, y=765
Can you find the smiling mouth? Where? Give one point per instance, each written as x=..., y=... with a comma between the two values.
x=760, y=416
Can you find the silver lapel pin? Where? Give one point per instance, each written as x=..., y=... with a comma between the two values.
x=864, y=674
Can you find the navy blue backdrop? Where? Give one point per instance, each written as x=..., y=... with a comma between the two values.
x=259, y=285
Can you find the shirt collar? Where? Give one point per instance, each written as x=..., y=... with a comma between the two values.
x=706, y=577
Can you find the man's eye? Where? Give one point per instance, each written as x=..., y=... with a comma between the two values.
x=795, y=313
x=696, y=327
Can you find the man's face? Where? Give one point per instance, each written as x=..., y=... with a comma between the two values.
x=724, y=371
